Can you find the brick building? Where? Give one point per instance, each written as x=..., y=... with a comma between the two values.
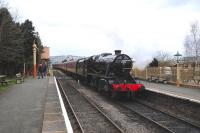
x=45, y=55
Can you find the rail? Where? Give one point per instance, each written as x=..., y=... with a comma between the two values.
x=78, y=127
x=170, y=114
x=164, y=120
x=85, y=110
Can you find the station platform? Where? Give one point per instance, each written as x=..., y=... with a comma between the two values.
x=191, y=94
x=31, y=107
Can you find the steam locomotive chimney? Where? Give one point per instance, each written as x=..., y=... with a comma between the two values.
x=117, y=52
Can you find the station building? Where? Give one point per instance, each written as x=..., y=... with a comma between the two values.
x=45, y=55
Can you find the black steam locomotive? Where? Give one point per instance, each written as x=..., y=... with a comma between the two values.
x=106, y=72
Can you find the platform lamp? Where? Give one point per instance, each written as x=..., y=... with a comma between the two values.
x=34, y=60
x=177, y=55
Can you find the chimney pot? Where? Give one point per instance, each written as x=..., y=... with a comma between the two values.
x=117, y=52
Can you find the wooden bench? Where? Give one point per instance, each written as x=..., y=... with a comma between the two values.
x=19, y=78
x=3, y=80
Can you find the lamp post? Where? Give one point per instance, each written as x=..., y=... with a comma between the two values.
x=177, y=55
x=34, y=60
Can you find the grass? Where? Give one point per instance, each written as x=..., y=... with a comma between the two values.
x=5, y=87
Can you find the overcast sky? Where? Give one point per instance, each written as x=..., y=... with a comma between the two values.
x=86, y=27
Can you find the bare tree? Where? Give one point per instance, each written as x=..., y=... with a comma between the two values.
x=164, y=58
x=192, y=41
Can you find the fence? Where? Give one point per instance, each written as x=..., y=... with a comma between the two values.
x=185, y=75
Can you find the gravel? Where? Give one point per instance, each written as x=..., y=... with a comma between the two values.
x=129, y=122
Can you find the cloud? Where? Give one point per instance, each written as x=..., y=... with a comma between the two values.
x=138, y=28
x=179, y=3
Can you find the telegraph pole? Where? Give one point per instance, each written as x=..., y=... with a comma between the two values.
x=34, y=60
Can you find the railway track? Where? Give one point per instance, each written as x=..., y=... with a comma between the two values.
x=76, y=126
x=191, y=122
x=166, y=121
x=161, y=120
x=87, y=116
x=183, y=109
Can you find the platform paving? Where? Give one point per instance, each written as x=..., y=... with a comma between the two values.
x=31, y=107
x=53, y=116
x=192, y=94
x=22, y=107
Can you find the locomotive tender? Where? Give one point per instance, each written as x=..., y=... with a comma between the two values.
x=106, y=72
